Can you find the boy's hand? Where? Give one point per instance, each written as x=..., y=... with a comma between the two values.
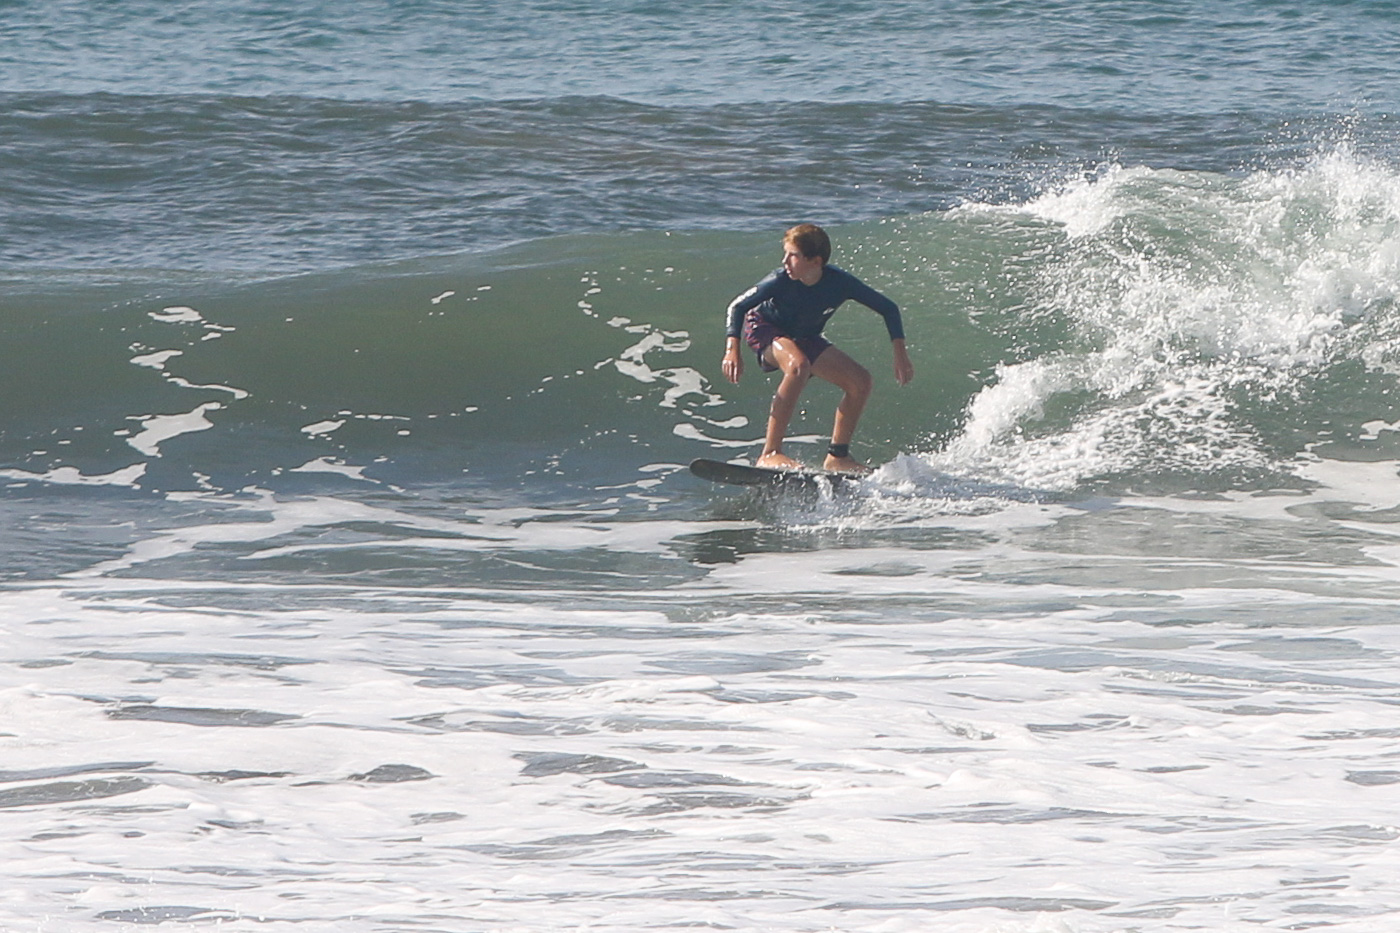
x=903, y=369
x=733, y=365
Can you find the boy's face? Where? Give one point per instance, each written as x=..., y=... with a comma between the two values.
x=805, y=270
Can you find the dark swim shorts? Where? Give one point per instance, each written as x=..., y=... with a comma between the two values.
x=758, y=334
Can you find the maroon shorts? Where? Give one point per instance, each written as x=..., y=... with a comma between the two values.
x=758, y=334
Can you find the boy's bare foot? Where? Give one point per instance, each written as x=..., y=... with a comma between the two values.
x=779, y=461
x=844, y=465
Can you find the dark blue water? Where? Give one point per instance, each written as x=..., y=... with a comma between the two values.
x=1136, y=55
x=242, y=137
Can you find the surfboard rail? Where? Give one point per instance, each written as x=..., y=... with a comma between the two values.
x=743, y=474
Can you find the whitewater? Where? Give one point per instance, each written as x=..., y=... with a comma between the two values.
x=353, y=578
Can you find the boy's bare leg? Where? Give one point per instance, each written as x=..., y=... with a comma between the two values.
x=855, y=383
x=785, y=355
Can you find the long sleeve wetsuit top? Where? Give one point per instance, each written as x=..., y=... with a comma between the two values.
x=802, y=310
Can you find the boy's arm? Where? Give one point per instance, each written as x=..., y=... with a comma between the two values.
x=880, y=303
x=903, y=368
x=734, y=314
x=733, y=364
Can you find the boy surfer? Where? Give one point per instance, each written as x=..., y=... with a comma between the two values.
x=782, y=318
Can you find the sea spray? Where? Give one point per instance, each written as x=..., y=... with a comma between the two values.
x=1200, y=313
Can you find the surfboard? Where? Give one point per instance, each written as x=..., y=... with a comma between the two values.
x=739, y=474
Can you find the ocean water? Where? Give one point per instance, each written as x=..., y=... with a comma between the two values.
x=353, y=580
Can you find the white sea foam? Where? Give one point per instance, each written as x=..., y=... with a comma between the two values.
x=70, y=476
x=157, y=429
x=1188, y=295
x=970, y=737
x=943, y=704
x=177, y=315
x=332, y=465
x=157, y=359
x=323, y=427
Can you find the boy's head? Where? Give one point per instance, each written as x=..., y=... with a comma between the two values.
x=809, y=240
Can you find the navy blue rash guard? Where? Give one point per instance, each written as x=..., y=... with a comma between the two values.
x=802, y=310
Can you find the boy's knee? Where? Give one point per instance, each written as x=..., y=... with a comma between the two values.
x=862, y=383
x=798, y=369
